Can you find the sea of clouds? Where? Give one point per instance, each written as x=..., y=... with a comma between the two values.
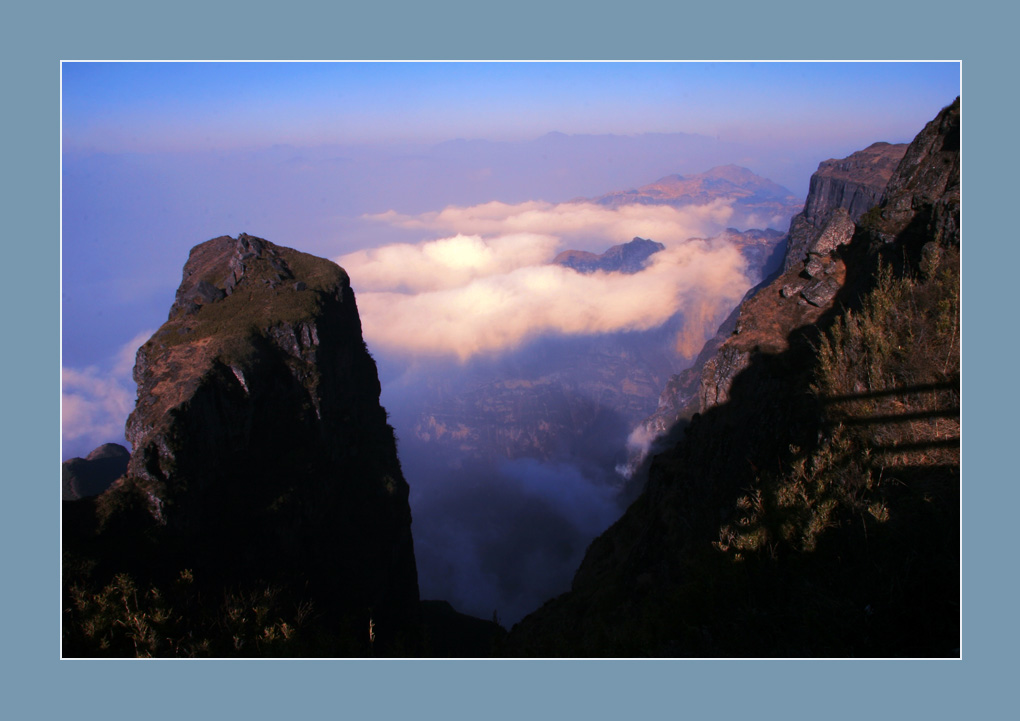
x=481, y=280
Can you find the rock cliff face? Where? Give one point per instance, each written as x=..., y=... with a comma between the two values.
x=260, y=449
x=921, y=203
x=793, y=516
x=853, y=184
x=841, y=192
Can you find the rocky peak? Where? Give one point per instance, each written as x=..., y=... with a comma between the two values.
x=259, y=445
x=216, y=268
x=922, y=198
x=854, y=184
x=624, y=258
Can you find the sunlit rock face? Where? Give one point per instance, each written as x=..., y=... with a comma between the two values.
x=260, y=448
x=853, y=184
x=841, y=191
x=921, y=203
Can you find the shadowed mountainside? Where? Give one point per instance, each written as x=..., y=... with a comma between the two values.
x=90, y=476
x=812, y=507
x=263, y=474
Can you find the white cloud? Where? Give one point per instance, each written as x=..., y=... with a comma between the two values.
x=95, y=401
x=490, y=287
x=572, y=221
x=94, y=405
x=446, y=263
x=125, y=358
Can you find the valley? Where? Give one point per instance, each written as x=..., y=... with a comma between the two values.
x=705, y=416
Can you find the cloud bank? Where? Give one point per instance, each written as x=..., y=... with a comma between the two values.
x=95, y=401
x=580, y=220
x=489, y=287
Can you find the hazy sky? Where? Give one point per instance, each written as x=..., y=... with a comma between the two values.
x=340, y=158
x=115, y=107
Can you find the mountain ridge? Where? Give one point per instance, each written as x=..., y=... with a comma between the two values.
x=841, y=191
x=756, y=202
x=772, y=528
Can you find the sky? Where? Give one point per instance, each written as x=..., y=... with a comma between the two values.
x=337, y=158
x=116, y=107
x=444, y=189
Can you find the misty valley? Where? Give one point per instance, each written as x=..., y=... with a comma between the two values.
x=701, y=417
x=519, y=459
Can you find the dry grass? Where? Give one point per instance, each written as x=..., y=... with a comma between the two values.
x=888, y=378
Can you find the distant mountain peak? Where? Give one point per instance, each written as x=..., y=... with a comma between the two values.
x=624, y=258
x=756, y=201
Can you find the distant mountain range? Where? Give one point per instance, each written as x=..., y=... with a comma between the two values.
x=757, y=202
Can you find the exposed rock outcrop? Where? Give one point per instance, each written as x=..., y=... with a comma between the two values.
x=260, y=449
x=921, y=202
x=840, y=192
x=853, y=184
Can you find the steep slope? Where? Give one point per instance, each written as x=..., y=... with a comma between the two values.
x=840, y=192
x=854, y=184
x=261, y=454
x=812, y=508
